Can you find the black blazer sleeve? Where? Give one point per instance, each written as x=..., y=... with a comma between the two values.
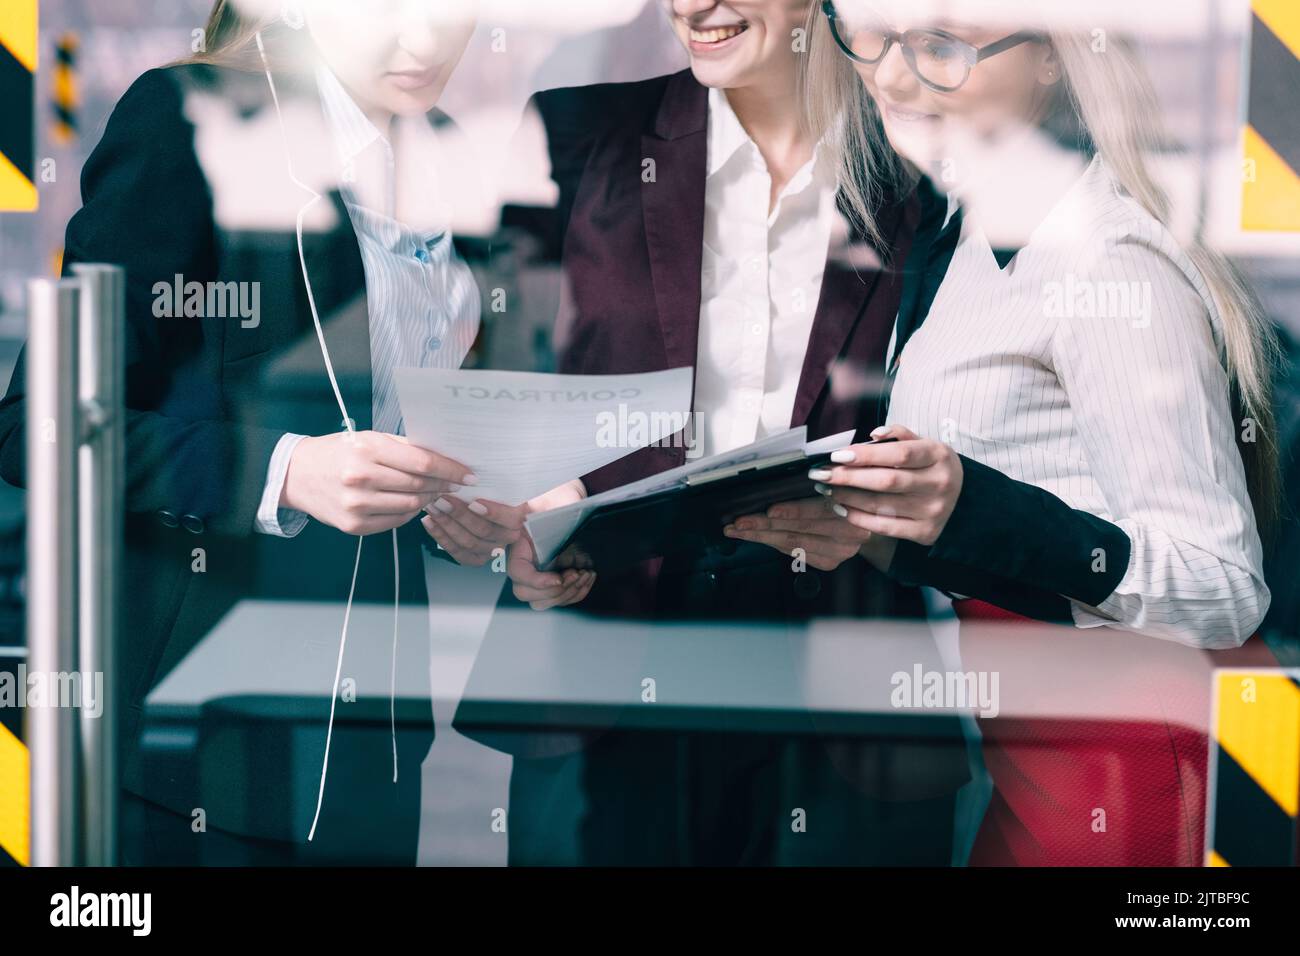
x=147, y=207
x=1019, y=547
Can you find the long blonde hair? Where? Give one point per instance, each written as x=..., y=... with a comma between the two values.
x=230, y=39
x=1112, y=99
x=839, y=109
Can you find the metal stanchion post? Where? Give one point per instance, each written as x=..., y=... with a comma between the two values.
x=75, y=487
x=100, y=480
x=52, y=442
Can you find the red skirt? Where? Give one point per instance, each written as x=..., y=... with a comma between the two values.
x=1123, y=783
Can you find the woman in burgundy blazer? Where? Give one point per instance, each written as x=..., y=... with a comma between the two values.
x=631, y=259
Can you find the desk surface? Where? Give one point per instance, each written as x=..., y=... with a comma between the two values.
x=563, y=670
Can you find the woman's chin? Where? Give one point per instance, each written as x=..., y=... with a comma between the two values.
x=715, y=76
x=413, y=102
x=918, y=147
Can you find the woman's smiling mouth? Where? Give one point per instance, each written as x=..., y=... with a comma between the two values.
x=710, y=39
x=902, y=115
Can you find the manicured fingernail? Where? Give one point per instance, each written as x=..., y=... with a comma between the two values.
x=842, y=457
x=445, y=506
x=470, y=479
x=453, y=488
x=478, y=507
x=819, y=474
x=729, y=530
x=840, y=510
x=823, y=489
x=882, y=430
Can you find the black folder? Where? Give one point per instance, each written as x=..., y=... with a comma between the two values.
x=687, y=518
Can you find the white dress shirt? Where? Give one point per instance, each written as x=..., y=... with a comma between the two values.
x=1092, y=367
x=423, y=302
x=760, y=283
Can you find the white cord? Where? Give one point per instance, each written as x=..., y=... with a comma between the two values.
x=302, y=258
x=351, y=427
x=334, y=698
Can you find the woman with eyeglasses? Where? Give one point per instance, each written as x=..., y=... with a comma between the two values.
x=1081, y=414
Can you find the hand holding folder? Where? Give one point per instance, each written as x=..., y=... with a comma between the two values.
x=680, y=511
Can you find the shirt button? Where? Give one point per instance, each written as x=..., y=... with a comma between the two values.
x=422, y=255
x=756, y=329
x=434, y=343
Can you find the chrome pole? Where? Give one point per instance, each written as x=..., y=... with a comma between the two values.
x=52, y=440
x=100, y=479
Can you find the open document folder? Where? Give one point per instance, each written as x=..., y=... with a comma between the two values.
x=683, y=509
x=524, y=433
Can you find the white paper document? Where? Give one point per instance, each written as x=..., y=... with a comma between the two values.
x=550, y=530
x=524, y=433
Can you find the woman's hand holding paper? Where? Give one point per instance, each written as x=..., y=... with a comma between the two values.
x=473, y=533
x=366, y=482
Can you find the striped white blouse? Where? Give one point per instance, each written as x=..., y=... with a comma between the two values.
x=422, y=298
x=1092, y=368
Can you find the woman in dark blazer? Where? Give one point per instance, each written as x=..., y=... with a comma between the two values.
x=223, y=500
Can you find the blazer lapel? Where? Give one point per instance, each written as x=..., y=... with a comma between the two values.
x=673, y=208
x=851, y=276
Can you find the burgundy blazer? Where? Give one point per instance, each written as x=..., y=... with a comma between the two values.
x=632, y=254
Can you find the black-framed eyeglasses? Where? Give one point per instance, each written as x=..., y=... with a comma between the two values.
x=940, y=60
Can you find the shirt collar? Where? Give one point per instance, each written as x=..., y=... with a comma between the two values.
x=351, y=129
x=1062, y=220
x=726, y=135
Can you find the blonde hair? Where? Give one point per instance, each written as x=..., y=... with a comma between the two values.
x=230, y=40
x=1112, y=98
x=840, y=110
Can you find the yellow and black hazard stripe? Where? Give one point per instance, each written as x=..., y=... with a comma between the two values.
x=18, y=55
x=14, y=776
x=1271, y=191
x=66, y=97
x=1254, y=769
